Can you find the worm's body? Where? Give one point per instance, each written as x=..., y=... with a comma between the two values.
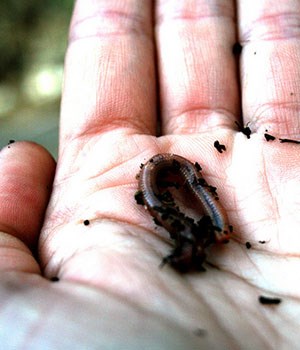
x=191, y=235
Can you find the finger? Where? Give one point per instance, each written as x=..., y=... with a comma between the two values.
x=109, y=70
x=26, y=174
x=198, y=80
x=269, y=32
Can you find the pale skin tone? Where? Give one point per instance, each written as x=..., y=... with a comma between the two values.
x=111, y=292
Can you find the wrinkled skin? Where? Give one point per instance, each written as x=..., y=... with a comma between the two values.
x=111, y=293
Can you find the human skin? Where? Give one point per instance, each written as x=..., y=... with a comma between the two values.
x=111, y=293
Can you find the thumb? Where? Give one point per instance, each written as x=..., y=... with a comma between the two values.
x=26, y=175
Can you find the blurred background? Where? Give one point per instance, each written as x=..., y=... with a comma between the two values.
x=33, y=40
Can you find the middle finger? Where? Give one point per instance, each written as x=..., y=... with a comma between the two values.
x=197, y=70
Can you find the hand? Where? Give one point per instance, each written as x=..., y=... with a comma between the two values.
x=111, y=293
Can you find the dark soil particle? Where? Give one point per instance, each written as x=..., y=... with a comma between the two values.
x=269, y=137
x=269, y=300
x=54, y=279
x=219, y=147
x=244, y=129
x=198, y=166
x=289, y=141
x=237, y=49
x=139, y=197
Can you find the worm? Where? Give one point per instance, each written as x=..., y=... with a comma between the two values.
x=191, y=236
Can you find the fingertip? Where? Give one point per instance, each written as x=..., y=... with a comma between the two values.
x=25, y=147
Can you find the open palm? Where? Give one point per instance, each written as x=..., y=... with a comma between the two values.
x=104, y=249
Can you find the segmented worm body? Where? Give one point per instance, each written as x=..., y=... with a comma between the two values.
x=159, y=179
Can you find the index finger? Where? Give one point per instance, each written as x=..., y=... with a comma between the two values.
x=109, y=69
